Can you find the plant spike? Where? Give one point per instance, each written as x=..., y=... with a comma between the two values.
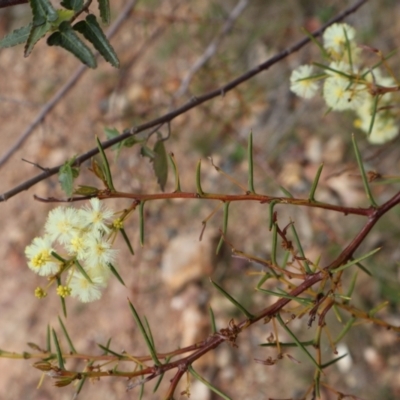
x=71, y=346
x=286, y=192
x=106, y=166
x=48, y=339
x=212, y=317
x=274, y=244
x=127, y=241
x=144, y=334
x=108, y=351
x=335, y=360
x=345, y=329
x=176, y=173
x=352, y=262
x=208, y=384
x=300, y=248
x=198, y=179
x=225, y=226
x=160, y=378
x=250, y=162
x=271, y=213
x=363, y=174
x=311, y=197
x=300, y=344
x=58, y=350
x=141, y=222
x=232, y=300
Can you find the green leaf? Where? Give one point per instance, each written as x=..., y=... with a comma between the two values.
x=160, y=164
x=300, y=344
x=335, y=360
x=225, y=226
x=108, y=351
x=43, y=12
x=212, y=317
x=86, y=190
x=284, y=295
x=104, y=8
x=300, y=248
x=176, y=173
x=199, y=190
x=63, y=15
x=105, y=166
x=126, y=240
x=148, y=341
x=363, y=174
x=92, y=31
x=75, y=5
x=97, y=169
x=58, y=350
x=48, y=339
x=232, y=300
x=315, y=184
x=66, y=179
x=141, y=222
x=36, y=33
x=286, y=192
x=146, y=151
x=250, y=162
x=356, y=261
x=345, y=329
x=208, y=384
x=115, y=273
x=287, y=344
x=167, y=359
x=131, y=141
x=64, y=329
x=69, y=40
x=17, y=36
x=150, y=335
x=82, y=271
x=111, y=133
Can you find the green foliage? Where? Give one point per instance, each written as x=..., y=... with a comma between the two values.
x=91, y=30
x=104, y=8
x=75, y=5
x=16, y=37
x=160, y=163
x=66, y=176
x=66, y=38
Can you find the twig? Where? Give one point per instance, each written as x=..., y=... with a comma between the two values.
x=65, y=89
x=187, y=106
x=212, y=47
x=10, y=3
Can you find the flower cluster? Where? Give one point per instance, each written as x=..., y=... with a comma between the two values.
x=349, y=86
x=86, y=256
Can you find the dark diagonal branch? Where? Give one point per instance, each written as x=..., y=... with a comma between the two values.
x=10, y=3
x=188, y=106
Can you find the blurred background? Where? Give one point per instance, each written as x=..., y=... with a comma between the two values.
x=168, y=278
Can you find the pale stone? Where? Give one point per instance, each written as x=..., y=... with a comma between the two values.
x=186, y=259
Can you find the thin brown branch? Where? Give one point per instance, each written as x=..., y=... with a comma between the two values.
x=212, y=47
x=261, y=198
x=186, y=107
x=10, y=3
